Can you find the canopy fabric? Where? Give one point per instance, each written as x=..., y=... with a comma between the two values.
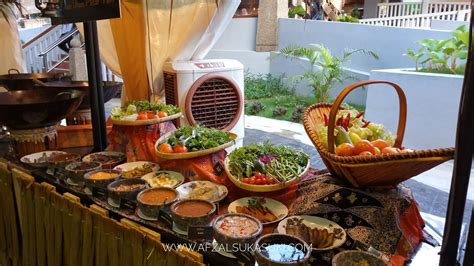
x=11, y=51
x=149, y=33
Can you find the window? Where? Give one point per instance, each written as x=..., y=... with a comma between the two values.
x=247, y=8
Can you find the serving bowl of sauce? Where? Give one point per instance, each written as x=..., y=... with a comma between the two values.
x=236, y=230
x=281, y=250
x=151, y=200
x=126, y=188
x=101, y=178
x=192, y=212
x=75, y=171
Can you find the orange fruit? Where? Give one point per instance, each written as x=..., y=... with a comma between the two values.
x=390, y=150
x=381, y=144
x=364, y=145
x=165, y=148
x=365, y=153
x=345, y=149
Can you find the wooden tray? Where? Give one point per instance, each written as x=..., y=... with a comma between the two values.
x=145, y=122
x=262, y=188
x=193, y=154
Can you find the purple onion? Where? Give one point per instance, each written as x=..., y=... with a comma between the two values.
x=266, y=158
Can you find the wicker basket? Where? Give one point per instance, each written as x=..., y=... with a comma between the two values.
x=377, y=170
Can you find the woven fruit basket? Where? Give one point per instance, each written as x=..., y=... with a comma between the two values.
x=375, y=170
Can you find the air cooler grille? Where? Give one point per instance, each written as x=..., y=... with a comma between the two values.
x=214, y=101
x=170, y=88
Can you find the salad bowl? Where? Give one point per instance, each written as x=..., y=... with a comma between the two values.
x=262, y=188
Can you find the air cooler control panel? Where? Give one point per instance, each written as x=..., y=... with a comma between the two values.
x=207, y=65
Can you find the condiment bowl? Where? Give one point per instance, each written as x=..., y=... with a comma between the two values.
x=91, y=182
x=283, y=247
x=130, y=194
x=75, y=171
x=230, y=241
x=202, y=212
x=151, y=208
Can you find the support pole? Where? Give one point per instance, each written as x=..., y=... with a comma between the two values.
x=469, y=254
x=95, y=86
x=462, y=165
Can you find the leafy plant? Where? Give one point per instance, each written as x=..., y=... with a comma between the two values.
x=347, y=18
x=255, y=108
x=297, y=114
x=442, y=56
x=296, y=10
x=259, y=86
x=326, y=70
x=279, y=111
x=355, y=13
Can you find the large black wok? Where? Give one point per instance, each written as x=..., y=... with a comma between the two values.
x=26, y=109
x=110, y=89
x=15, y=80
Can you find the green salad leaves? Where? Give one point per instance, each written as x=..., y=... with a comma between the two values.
x=198, y=138
x=281, y=162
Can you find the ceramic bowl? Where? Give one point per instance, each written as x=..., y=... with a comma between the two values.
x=100, y=183
x=231, y=242
x=76, y=170
x=130, y=194
x=284, y=245
x=151, y=210
x=183, y=221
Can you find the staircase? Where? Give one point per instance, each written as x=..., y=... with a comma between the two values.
x=43, y=55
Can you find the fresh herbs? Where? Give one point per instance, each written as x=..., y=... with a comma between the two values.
x=132, y=108
x=147, y=106
x=198, y=138
x=281, y=162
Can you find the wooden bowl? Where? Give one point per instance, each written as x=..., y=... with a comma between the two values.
x=262, y=188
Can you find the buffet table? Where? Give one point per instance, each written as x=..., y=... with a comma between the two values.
x=387, y=221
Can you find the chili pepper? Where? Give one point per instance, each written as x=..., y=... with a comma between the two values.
x=360, y=114
x=366, y=124
x=345, y=125
x=326, y=120
x=339, y=121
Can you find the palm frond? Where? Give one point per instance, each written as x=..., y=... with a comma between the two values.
x=349, y=52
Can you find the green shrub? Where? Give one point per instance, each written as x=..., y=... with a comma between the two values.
x=259, y=86
x=347, y=18
x=279, y=111
x=296, y=10
x=255, y=108
x=442, y=56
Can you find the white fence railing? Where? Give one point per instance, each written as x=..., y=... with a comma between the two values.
x=448, y=6
x=33, y=47
x=412, y=8
x=398, y=9
x=418, y=21
x=35, y=64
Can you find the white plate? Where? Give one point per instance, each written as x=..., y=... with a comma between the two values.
x=277, y=208
x=211, y=192
x=144, y=217
x=139, y=164
x=320, y=223
x=176, y=179
x=120, y=156
x=31, y=158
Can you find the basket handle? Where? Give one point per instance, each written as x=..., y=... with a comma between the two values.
x=402, y=118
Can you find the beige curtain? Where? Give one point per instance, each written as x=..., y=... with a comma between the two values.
x=11, y=52
x=172, y=30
